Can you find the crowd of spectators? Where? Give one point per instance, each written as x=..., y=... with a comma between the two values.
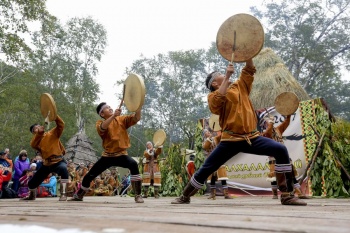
x=16, y=173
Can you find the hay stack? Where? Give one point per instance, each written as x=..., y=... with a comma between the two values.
x=271, y=79
x=79, y=149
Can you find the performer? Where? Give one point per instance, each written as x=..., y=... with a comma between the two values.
x=190, y=167
x=151, y=173
x=238, y=122
x=115, y=142
x=209, y=145
x=276, y=133
x=52, y=151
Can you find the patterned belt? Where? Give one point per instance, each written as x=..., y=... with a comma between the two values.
x=54, y=158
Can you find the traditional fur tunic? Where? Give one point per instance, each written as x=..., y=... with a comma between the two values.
x=151, y=168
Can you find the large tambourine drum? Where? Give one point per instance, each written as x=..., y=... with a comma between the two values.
x=134, y=93
x=242, y=34
x=214, y=122
x=159, y=137
x=286, y=103
x=48, y=107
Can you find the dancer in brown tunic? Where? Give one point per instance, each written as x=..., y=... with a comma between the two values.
x=238, y=122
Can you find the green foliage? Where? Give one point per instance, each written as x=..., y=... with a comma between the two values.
x=312, y=37
x=63, y=63
x=326, y=176
x=14, y=21
x=174, y=177
x=174, y=92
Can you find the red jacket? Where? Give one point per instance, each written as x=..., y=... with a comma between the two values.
x=4, y=178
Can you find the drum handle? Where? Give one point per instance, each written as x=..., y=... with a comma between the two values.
x=233, y=46
x=122, y=101
x=47, y=120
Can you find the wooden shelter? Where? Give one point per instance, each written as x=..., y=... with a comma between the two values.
x=272, y=77
x=79, y=149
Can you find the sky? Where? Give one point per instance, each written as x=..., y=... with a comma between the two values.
x=148, y=27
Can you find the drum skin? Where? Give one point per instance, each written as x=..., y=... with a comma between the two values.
x=134, y=93
x=286, y=103
x=242, y=34
x=48, y=107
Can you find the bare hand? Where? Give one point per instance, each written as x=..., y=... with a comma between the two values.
x=229, y=70
x=117, y=112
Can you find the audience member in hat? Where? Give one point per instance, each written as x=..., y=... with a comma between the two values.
x=21, y=165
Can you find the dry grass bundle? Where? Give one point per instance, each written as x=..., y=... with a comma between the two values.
x=271, y=79
x=79, y=149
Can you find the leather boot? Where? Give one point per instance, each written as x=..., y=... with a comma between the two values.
x=212, y=194
x=63, y=196
x=31, y=196
x=136, y=185
x=156, y=192
x=186, y=194
x=78, y=196
x=298, y=192
x=274, y=193
x=145, y=192
x=226, y=194
x=285, y=185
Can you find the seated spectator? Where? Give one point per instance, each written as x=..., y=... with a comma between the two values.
x=6, y=167
x=38, y=160
x=51, y=185
x=8, y=157
x=5, y=176
x=21, y=165
x=33, y=167
x=23, y=190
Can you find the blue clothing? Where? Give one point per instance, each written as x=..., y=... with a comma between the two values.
x=4, y=163
x=52, y=185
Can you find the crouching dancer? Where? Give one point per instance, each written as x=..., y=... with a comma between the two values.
x=115, y=141
x=238, y=122
x=52, y=151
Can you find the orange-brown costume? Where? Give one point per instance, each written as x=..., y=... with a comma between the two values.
x=237, y=119
x=50, y=146
x=209, y=145
x=275, y=133
x=71, y=188
x=115, y=139
x=151, y=168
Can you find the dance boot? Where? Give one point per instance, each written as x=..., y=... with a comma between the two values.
x=186, y=194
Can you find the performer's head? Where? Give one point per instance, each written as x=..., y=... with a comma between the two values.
x=149, y=145
x=104, y=110
x=214, y=80
x=192, y=157
x=35, y=128
x=206, y=133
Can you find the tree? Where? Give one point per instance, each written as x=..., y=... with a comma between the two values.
x=312, y=37
x=15, y=20
x=174, y=97
x=66, y=62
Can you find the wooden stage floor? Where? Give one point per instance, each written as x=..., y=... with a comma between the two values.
x=122, y=214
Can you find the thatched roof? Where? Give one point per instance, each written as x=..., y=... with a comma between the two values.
x=79, y=149
x=272, y=78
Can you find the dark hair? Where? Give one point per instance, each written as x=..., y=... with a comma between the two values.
x=25, y=172
x=99, y=107
x=32, y=127
x=192, y=157
x=208, y=79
